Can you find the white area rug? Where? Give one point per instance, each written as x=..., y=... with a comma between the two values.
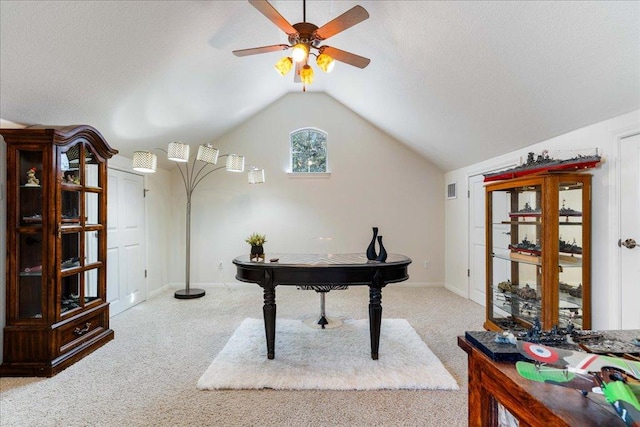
x=329, y=359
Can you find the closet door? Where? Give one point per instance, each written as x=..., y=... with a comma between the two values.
x=630, y=232
x=126, y=281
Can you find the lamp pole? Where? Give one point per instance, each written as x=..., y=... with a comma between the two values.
x=191, y=181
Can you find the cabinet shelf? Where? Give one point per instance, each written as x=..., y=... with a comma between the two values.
x=50, y=292
x=528, y=221
x=29, y=274
x=564, y=261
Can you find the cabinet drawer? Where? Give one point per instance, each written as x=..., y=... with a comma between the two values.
x=80, y=330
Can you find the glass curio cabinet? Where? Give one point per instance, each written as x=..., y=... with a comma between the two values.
x=539, y=252
x=56, y=307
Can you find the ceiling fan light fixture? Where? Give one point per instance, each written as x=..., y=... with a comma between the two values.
x=306, y=74
x=325, y=62
x=300, y=52
x=283, y=66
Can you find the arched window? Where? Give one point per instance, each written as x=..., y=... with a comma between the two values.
x=308, y=151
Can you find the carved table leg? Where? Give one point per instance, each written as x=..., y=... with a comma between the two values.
x=269, y=313
x=375, y=314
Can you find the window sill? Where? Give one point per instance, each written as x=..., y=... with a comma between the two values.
x=317, y=175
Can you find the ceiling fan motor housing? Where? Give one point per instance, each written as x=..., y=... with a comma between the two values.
x=305, y=34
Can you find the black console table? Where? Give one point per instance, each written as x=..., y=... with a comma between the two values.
x=325, y=269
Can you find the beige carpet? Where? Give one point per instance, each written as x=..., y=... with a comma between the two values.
x=147, y=375
x=331, y=359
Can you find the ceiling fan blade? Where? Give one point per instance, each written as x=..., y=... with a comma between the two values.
x=274, y=16
x=263, y=49
x=296, y=75
x=346, y=57
x=351, y=17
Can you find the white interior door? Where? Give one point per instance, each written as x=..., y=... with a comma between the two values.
x=477, y=238
x=126, y=283
x=630, y=229
x=477, y=245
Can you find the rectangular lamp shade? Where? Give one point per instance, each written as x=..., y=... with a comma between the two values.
x=256, y=176
x=208, y=154
x=144, y=161
x=235, y=163
x=178, y=152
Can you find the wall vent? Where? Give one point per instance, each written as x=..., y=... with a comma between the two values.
x=451, y=191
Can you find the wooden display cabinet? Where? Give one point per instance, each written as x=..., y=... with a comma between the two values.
x=539, y=251
x=56, y=306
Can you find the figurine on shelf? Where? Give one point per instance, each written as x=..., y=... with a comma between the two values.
x=32, y=181
x=71, y=178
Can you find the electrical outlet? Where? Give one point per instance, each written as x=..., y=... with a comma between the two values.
x=221, y=265
x=427, y=264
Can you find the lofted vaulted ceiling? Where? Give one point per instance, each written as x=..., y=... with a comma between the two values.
x=458, y=82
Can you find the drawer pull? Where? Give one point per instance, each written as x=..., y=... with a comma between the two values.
x=78, y=331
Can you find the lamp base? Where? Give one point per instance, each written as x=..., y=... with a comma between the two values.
x=189, y=293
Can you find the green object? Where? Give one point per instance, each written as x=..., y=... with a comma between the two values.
x=618, y=390
x=543, y=374
x=256, y=239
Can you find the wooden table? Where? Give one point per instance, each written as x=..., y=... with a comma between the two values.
x=324, y=269
x=532, y=403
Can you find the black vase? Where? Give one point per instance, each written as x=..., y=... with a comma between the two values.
x=382, y=256
x=371, y=250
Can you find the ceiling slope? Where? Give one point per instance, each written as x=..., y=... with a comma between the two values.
x=458, y=82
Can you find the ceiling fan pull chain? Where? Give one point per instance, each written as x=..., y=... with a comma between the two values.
x=304, y=10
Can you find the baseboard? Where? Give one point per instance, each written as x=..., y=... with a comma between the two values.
x=455, y=291
x=157, y=292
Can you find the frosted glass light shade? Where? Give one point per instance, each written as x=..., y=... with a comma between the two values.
x=283, y=66
x=208, y=154
x=306, y=75
x=325, y=62
x=235, y=163
x=144, y=161
x=256, y=176
x=178, y=152
x=300, y=52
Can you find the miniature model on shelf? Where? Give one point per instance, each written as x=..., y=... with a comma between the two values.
x=527, y=210
x=56, y=299
x=544, y=163
x=538, y=254
x=526, y=246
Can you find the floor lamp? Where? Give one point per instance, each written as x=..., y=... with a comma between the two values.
x=145, y=161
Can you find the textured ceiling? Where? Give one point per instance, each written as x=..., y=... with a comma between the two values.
x=458, y=82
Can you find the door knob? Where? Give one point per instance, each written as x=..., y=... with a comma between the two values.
x=629, y=243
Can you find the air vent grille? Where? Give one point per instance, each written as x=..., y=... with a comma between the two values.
x=451, y=190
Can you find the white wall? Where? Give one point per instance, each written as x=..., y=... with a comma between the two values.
x=375, y=181
x=605, y=286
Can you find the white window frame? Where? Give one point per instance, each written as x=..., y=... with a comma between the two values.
x=325, y=174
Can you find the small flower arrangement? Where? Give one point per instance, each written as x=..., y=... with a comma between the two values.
x=256, y=239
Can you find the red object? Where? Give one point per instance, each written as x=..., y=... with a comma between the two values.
x=541, y=353
x=569, y=166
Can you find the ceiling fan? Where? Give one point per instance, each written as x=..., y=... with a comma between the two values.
x=304, y=38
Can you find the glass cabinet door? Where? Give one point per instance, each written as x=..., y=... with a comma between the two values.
x=570, y=254
x=81, y=229
x=31, y=250
x=517, y=283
